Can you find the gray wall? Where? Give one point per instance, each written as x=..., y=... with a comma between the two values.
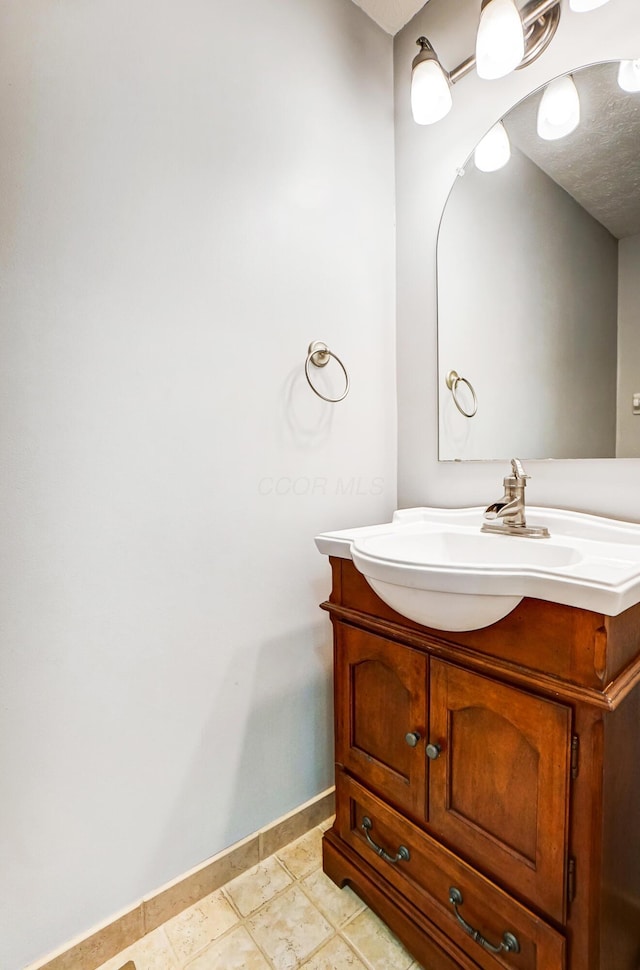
x=191, y=193
x=628, y=439
x=530, y=317
x=426, y=162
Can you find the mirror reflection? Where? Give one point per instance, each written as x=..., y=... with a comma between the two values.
x=539, y=278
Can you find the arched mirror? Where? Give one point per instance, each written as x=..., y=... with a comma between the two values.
x=539, y=284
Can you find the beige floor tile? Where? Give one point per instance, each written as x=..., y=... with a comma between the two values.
x=376, y=944
x=152, y=952
x=235, y=951
x=304, y=855
x=289, y=929
x=200, y=925
x=256, y=887
x=335, y=955
x=286, y=925
x=338, y=905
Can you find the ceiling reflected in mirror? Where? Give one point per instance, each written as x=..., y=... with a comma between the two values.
x=538, y=292
x=599, y=164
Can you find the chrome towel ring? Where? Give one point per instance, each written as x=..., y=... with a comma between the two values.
x=453, y=379
x=319, y=355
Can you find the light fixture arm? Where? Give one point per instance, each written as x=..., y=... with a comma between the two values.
x=540, y=21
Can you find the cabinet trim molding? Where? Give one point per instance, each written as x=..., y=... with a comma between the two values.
x=607, y=699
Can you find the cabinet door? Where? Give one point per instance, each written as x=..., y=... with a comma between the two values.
x=499, y=789
x=380, y=699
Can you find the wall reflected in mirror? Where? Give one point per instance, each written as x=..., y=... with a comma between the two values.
x=539, y=287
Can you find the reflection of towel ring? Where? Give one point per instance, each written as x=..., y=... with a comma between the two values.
x=453, y=379
x=319, y=354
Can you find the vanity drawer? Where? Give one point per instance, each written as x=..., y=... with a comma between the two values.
x=429, y=874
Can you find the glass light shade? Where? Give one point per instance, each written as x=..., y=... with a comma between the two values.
x=500, y=40
x=559, y=110
x=629, y=75
x=582, y=6
x=494, y=151
x=430, y=92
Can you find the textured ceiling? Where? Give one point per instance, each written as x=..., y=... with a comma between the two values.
x=599, y=163
x=391, y=15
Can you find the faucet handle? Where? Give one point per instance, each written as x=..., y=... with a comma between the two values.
x=518, y=471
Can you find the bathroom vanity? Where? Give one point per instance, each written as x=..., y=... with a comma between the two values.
x=488, y=780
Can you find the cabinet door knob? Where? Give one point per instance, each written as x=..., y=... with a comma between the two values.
x=412, y=738
x=433, y=751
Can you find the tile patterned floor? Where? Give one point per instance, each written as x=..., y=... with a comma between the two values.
x=283, y=914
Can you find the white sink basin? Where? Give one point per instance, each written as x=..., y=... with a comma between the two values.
x=436, y=567
x=424, y=546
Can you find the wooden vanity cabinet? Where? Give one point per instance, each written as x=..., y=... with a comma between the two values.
x=488, y=782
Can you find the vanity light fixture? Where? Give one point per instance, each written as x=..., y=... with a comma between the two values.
x=508, y=39
x=494, y=151
x=559, y=109
x=534, y=25
x=430, y=91
x=500, y=39
x=629, y=75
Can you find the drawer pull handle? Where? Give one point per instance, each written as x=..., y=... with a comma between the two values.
x=433, y=751
x=412, y=738
x=509, y=941
x=402, y=855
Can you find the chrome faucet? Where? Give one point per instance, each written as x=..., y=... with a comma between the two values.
x=507, y=517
